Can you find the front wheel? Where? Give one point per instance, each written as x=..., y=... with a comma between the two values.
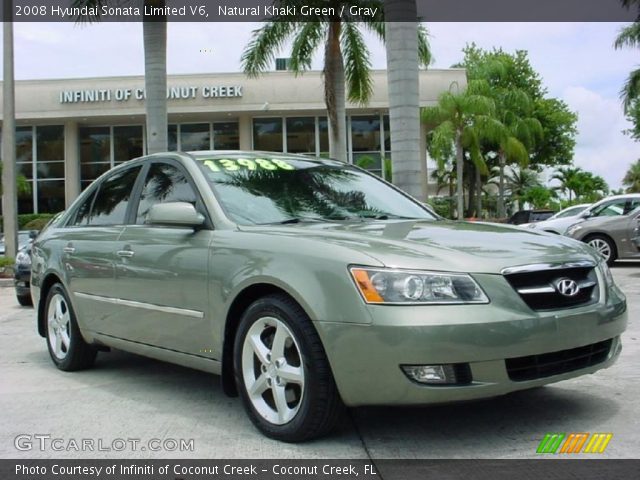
x=282, y=372
x=604, y=246
x=67, y=348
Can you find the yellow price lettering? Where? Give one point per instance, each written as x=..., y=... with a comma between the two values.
x=266, y=164
x=229, y=165
x=245, y=162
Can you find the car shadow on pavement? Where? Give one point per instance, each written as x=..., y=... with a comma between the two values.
x=492, y=426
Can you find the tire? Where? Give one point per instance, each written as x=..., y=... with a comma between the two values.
x=301, y=406
x=67, y=348
x=604, y=246
x=24, y=300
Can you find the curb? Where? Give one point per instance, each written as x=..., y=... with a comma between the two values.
x=6, y=282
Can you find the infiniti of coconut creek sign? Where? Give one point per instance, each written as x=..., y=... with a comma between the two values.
x=127, y=94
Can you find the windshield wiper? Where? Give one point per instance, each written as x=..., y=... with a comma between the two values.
x=387, y=216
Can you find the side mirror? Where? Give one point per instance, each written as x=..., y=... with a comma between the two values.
x=586, y=214
x=177, y=214
x=33, y=234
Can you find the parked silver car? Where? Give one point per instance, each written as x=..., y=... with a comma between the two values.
x=560, y=221
x=613, y=236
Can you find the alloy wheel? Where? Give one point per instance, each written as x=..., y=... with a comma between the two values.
x=272, y=370
x=602, y=247
x=59, y=326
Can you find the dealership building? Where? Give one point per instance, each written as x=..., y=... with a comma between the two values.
x=69, y=131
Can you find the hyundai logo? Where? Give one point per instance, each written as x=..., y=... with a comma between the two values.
x=567, y=287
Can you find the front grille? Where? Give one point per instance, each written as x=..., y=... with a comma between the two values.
x=521, y=369
x=539, y=287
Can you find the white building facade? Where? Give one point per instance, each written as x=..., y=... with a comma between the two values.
x=70, y=131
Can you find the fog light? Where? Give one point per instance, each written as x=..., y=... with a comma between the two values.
x=437, y=374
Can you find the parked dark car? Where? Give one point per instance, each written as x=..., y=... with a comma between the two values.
x=530, y=216
x=22, y=276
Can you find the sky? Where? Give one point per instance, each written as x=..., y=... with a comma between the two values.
x=577, y=63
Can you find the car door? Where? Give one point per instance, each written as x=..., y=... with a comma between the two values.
x=162, y=271
x=87, y=243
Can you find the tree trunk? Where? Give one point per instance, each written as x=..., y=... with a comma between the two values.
x=404, y=98
x=501, y=211
x=9, y=187
x=335, y=94
x=471, y=191
x=451, y=193
x=155, y=80
x=478, y=193
x=460, y=177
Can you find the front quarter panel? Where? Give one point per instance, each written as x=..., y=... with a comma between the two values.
x=315, y=275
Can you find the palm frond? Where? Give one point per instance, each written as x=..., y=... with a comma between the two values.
x=629, y=36
x=515, y=151
x=304, y=45
x=265, y=43
x=357, y=65
x=631, y=90
x=424, y=49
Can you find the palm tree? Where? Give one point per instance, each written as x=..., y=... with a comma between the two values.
x=520, y=181
x=569, y=178
x=154, y=32
x=629, y=36
x=631, y=179
x=9, y=197
x=520, y=132
x=346, y=57
x=404, y=53
x=461, y=120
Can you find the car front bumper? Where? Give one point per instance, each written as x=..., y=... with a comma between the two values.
x=21, y=280
x=366, y=359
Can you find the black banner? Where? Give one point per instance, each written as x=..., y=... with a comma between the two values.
x=313, y=10
x=543, y=468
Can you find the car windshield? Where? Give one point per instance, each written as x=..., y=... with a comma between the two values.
x=570, y=212
x=265, y=189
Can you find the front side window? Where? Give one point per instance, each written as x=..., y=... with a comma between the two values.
x=112, y=199
x=610, y=209
x=272, y=189
x=165, y=183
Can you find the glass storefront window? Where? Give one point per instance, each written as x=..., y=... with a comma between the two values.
x=267, y=134
x=50, y=143
x=24, y=144
x=50, y=196
x=323, y=127
x=195, y=136
x=172, y=137
x=226, y=136
x=127, y=143
x=365, y=133
x=301, y=135
x=95, y=152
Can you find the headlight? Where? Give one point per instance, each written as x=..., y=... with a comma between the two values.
x=387, y=286
x=573, y=229
x=23, y=258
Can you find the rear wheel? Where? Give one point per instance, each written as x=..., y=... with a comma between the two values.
x=24, y=300
x=282, y=372
x=604, y=246
x=67, y=348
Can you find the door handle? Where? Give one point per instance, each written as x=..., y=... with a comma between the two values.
x=125, y=253
x=69, y=250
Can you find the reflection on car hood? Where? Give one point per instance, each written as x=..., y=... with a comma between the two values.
x=440, y=245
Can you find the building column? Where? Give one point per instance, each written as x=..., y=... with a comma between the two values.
x=424, y=173
x=71, y=162
x=244, y=130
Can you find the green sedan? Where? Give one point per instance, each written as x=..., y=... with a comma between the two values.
x=309, y=285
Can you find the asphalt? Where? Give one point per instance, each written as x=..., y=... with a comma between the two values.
x=135, y=400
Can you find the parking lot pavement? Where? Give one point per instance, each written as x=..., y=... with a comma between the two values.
x=137, y=400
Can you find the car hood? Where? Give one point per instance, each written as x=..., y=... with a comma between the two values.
x=439, y=245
